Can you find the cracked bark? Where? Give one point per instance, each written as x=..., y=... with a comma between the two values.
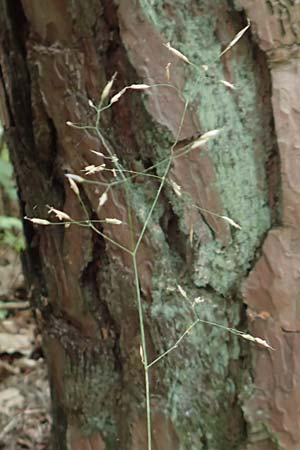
x=56, y=55
x=273, y=285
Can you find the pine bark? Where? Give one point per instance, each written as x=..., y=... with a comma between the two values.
x=214, y=391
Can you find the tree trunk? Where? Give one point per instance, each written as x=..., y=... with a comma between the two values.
x=214, y=390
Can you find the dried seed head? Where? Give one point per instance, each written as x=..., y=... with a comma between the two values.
x=77, y=178
x=98, y=153
x=176, y=188
x=113, y=221
x=177, y=53
x=211, y=134
x=257, y=340
x=263, y=343
x=93, y=169
x=71, y=124
x=231, y=222
x=198, y=143
x=89, y=169
x=142, y=354
x=73, y=186
x=236, y=38
x=136, y=87
x=204, y=138
x=199, y=300
x=191, y=234
x=107, y=88
x=61, y=215
x=182, y=291
x=139, y=87
x=38, y=221
x=102, y=199
x=168, y=76
x=117, y=96
x=227, y=84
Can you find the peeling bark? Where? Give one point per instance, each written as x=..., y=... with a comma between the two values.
x=272, y=288
x=54, y=57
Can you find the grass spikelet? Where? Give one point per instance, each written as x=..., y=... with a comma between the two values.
x=102, y=199
x=38, y=221
x=231, y=222
x=227, y=84
x=204, y=138
x=61, y=215
x=176, y=188
x=113, y=221
x=236, y=38
x=73, y=186
x=107, y=88
x=177, y=53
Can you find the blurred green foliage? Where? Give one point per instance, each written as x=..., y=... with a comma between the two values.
x=11, y=232
x=10, y=227
x=6, y=174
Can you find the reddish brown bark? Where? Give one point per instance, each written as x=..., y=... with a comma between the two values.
x=56, y=55
x=273, y=286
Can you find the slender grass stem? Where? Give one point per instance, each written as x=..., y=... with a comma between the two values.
x=187, y=331
x=161, y=183
x=137, y=285
x=144, y=350
x=112, y=241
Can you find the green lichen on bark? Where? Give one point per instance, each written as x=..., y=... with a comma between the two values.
x=239, y=156
x=197, y=374
x=240, y=152
x=198, y=399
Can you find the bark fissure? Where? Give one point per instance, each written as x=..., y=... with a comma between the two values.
x=272, y=288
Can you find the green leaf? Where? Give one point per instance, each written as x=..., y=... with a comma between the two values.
x=9, y=223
